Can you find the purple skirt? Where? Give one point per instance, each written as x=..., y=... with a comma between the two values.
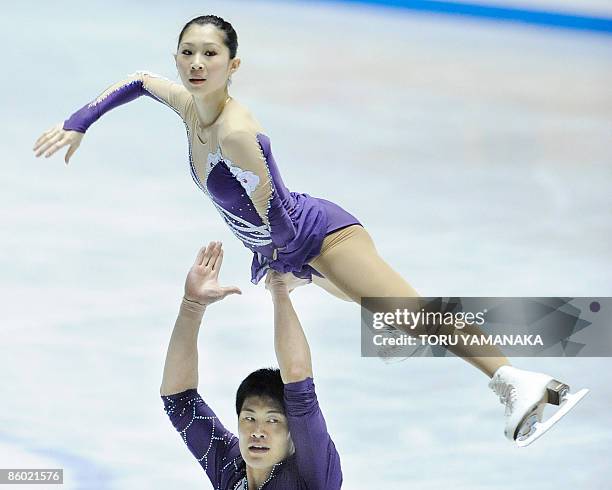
x=314, y=218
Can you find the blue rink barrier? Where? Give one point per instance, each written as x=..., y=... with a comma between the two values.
x=495, y=12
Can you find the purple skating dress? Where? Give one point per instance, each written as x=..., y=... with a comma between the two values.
x=232, y=162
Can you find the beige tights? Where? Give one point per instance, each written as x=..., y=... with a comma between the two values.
x=353, y=269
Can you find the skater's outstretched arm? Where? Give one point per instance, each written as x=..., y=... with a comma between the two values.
x=71, y=132
x=209, y=441
x=317, y=457
x=201, y=289
x=290, y=344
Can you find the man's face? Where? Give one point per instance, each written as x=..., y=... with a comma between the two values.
x=263, y=432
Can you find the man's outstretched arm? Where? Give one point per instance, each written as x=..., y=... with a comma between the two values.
x=318, y=460
x=290, y=344
x=201, y=289
x=181, y=367
x=209, y=441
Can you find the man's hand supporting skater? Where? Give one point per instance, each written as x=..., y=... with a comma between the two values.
x=315, y=453
x=201, y=289
x=290, y=344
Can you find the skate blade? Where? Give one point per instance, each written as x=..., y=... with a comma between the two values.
x=538, y=429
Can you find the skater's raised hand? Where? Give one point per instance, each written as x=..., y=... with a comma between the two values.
x=55, y=138
x=277, y=282
x=202, y=283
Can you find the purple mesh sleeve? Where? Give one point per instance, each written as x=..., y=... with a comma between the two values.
x=317, y=459
x=90, y=113
x=213, y=446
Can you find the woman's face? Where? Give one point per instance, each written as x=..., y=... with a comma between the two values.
x=202, y=59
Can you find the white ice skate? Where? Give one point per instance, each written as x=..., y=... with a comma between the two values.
x=525, y=395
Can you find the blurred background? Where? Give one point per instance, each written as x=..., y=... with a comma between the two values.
x=473, y=142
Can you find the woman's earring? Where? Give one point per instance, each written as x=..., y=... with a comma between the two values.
x=229, y=81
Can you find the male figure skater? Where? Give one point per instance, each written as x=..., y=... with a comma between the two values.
x=282, y=440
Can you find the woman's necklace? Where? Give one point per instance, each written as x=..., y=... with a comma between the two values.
x=202, y=128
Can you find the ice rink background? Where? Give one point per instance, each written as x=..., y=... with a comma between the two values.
x=476, y=153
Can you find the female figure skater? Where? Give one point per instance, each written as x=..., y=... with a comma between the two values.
x=231, y=161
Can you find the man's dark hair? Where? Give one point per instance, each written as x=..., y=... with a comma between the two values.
x=265, y=382
x=231, y=38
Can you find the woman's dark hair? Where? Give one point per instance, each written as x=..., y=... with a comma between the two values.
x=263, y=382
x=231, y=38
